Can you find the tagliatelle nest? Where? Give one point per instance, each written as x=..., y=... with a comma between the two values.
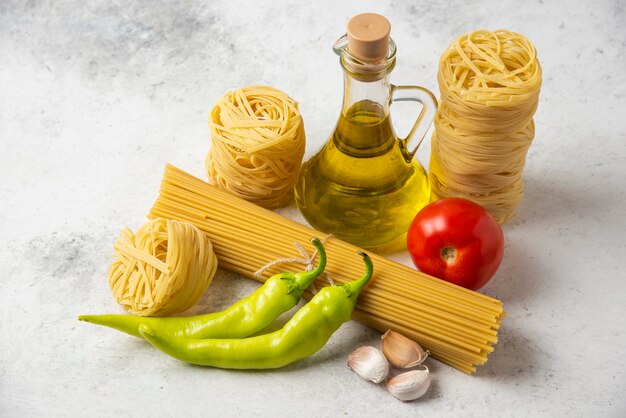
x=257, y=145
x=162, y=269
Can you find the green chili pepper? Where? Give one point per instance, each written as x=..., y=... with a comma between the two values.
x=278, y=294
x=305, y=333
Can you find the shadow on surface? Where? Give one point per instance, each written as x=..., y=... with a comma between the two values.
x=520, y=275
x=515, y=359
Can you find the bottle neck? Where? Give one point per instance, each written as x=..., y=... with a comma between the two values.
x=364, y=128
x=373, y=95
x=364, y=81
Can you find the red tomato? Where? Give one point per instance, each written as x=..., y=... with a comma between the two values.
x=457, y=241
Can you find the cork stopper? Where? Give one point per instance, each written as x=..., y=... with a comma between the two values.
x=368, y=36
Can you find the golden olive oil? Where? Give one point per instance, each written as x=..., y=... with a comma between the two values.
x=363, y=187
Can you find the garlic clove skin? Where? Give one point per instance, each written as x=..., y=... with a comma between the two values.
x=401, y=351
x=369, y=363
x=410, y=385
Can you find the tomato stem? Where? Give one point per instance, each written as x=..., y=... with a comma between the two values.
x=448, y=253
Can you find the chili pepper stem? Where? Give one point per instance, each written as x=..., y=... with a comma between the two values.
x=304, y=279
x=355, y=287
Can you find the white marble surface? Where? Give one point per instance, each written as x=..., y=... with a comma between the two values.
x=95, y=97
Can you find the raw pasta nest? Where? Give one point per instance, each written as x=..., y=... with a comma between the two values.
x=490, y=69
x=162, y=269
x=257, y=145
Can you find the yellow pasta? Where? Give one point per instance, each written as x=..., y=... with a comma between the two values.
x=257, y=144
x=489, y=83
x=162, y=269
x=456, y=325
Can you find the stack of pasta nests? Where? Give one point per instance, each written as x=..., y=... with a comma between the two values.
x=489, y=83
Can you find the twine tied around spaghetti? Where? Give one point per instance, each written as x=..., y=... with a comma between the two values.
x=306, y=260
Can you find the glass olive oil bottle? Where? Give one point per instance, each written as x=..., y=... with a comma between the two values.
x=364, y=186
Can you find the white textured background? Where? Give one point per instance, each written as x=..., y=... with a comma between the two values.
x=96, y=96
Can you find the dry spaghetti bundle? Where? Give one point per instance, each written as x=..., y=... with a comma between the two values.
x=458, y=326
x=257, y=144
x=162, y=269
x=489, y=83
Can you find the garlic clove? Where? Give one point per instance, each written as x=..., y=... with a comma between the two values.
x=369, y=363
x=410, y=385
x=401, y=351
